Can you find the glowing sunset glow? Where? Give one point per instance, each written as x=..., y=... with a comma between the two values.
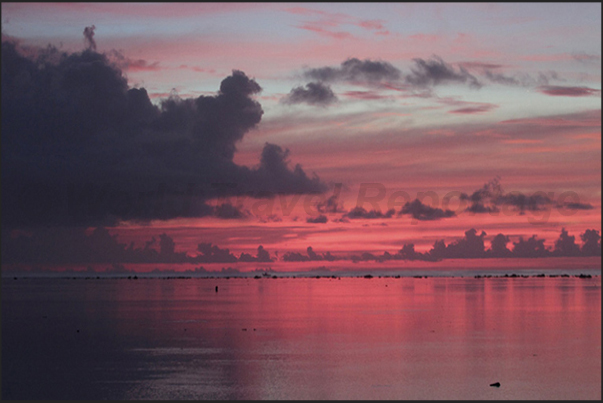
x=359, y=100
x=301, y=201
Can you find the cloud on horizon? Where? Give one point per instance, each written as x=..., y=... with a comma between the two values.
x=362, y=213
x=320, y=219
x=491, y=197
x=423, y=212
x=563, y=91
x=52, y=246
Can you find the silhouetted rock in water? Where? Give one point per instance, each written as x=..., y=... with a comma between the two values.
x=495, y=384
x=216, y=288
x=368, y=276
x=257, y=277
x=584, y=276
x=274, y=277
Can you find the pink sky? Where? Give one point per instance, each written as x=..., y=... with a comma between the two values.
x=519, y=100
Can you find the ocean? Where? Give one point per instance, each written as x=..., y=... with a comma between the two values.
x=302, y=338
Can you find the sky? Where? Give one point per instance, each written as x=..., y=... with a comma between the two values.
x=347, y=127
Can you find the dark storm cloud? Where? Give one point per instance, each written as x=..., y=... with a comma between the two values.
x=556, y=90
x=331, y=205
x=435, y=71
x=356, y=70
x=82, y=148
x=228, y=211
x=314, y=93
x=273, y=175
x=424, y=212
x=89, y=37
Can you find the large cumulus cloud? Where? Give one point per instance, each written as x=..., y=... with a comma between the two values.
x=80, y=147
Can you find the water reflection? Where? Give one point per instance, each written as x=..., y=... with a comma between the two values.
x=380, y=338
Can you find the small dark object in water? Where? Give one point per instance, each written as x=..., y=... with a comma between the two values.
x=495, y=384
x=368, y=276
x=78, y=330
x=244, y=329
x=216, y=288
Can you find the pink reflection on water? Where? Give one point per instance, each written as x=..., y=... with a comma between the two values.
x=380, y=338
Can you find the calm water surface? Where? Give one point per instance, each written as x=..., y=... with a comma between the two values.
x=302, y=338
